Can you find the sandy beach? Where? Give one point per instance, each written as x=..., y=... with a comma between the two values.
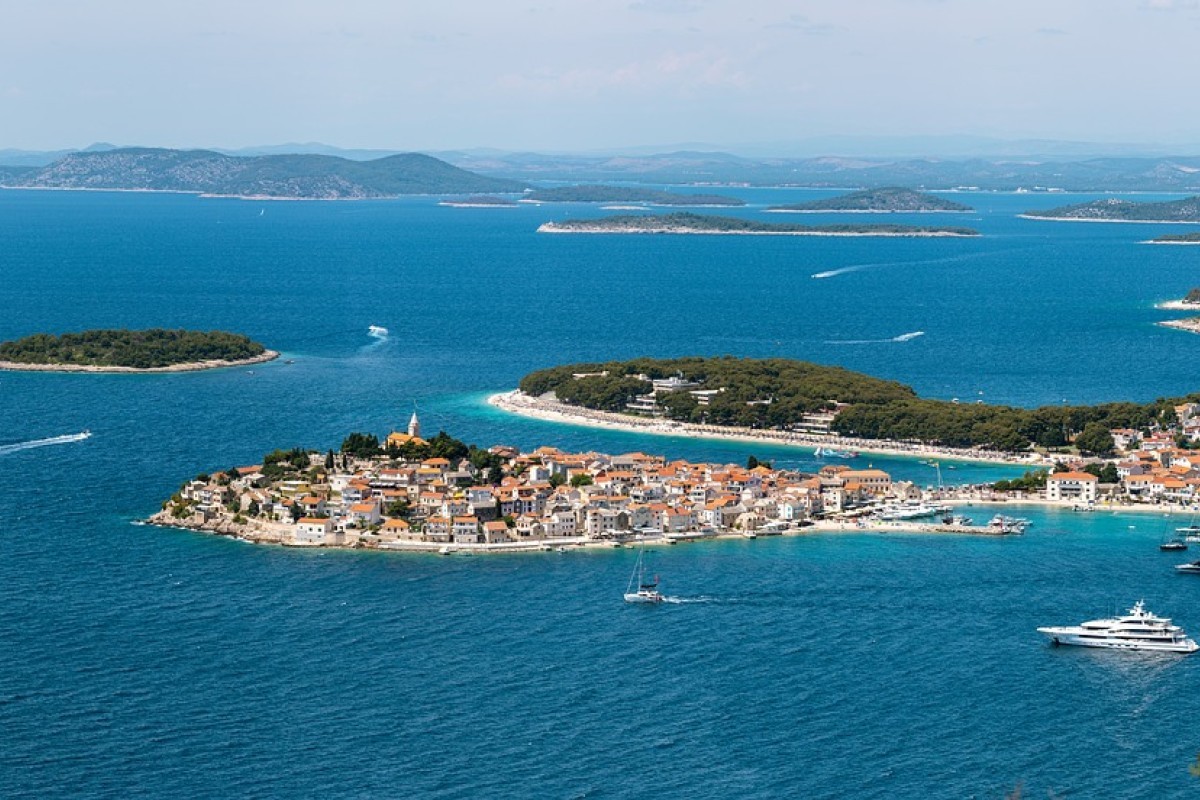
x=550, y=410
x=193, y=366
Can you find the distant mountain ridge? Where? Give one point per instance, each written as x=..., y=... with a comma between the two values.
x=315, y=177
x=1150, y=174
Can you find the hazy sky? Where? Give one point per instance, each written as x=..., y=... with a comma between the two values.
x=582, y=74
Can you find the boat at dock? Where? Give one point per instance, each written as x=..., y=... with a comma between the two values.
x=893, y=512
x=1005, y=524
x=1136, y=630
x=646, y=591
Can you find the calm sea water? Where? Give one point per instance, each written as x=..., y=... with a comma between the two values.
x=141, y=662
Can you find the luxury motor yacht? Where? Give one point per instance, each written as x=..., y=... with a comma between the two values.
x=1136, y=630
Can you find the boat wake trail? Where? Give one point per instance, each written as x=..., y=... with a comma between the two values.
x=833, y=273
x=6, y=449
x=687, y=600
x=904, y=337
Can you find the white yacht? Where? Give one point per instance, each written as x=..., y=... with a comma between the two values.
x=1191, y=566
x=1137, y=630
x=903, y=511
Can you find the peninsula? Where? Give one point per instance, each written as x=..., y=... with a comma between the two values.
x=153, y=350
x=440, y=495
x=891, y=199
x=683, y=222
x=404, y=492
x=1114, y=209
x=808, y=404
x=282, y=177
x=627, y=194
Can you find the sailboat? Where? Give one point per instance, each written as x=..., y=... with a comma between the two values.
x=1170, y=543
x=647, y=591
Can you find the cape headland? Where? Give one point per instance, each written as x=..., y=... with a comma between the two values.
x=126, y=351
x=686, y=223
x=1114, y=209
x=1177, y=238
x=888, y=200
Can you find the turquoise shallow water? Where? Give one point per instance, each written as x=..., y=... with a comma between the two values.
x=142, y=662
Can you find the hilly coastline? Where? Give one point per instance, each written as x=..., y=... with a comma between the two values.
x=305, y=177
x=890, y=199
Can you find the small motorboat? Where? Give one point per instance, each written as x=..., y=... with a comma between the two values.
x=1192, y=566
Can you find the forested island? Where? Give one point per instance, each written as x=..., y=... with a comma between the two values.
x=1179, y=238
x=300, y=177
x=683, y=222
x=153, y=350
x=890, y=199
x=628, y=194
x=784, y=394
x=1114, y=209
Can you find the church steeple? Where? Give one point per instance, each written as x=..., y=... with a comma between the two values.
x=414, y=426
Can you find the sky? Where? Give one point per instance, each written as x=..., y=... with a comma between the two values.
x=579, y=75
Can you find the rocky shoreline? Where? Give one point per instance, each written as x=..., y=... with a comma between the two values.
x=191, y=366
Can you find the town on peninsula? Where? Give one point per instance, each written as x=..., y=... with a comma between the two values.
x=405, y=492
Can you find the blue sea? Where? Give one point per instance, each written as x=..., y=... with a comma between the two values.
x=142, y=662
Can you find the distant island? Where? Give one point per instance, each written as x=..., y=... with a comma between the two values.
x=804, y=403
x=153, y=350
x=1113, y=209
x=891, y=199
x=290, y=177
x=1178, y=238
x=628, y=194
x=480, y=201
x=683, y=222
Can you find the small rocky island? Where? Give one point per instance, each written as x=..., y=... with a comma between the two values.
x=683, y=222
x=890, y=199
x=152, y=350
x=1113, y=209
x=1178, y=238
x=628, y=194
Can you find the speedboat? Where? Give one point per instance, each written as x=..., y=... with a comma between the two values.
x=378, y=331
x=1136, y=630
x=1192, y=566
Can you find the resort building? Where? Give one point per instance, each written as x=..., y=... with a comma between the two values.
x=1076, y=487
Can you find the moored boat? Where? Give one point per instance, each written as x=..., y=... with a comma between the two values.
x=1192, y=566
